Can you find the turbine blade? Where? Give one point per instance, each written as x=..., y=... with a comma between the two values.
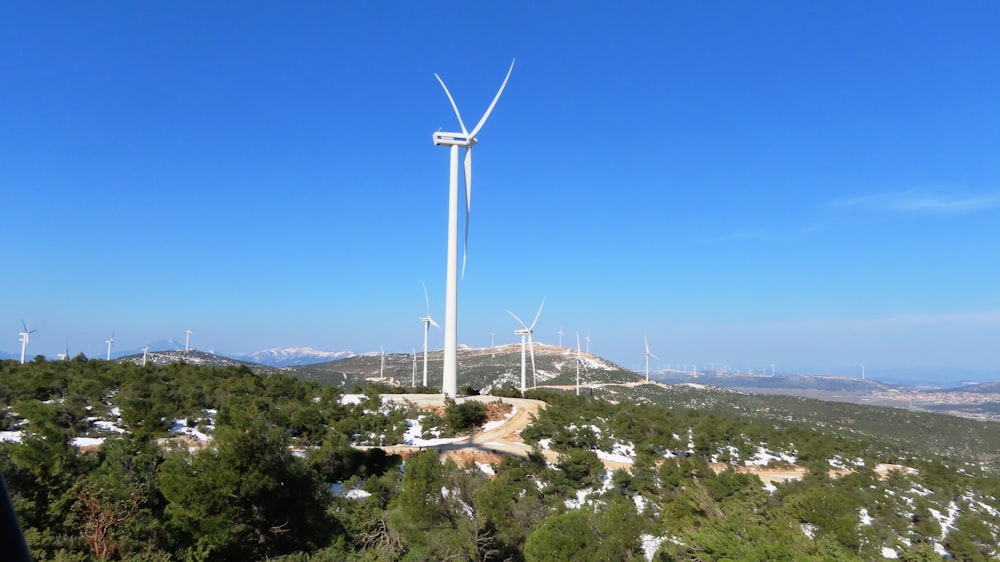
x=537, y=314
x=519, y=321
x=455, y=107
x=426, y=299
x=433, y=323
x=468, y=204
x=647, y=343
x=489, y=110
x=653, y=356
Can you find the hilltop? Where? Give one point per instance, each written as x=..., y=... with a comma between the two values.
x=480, y=368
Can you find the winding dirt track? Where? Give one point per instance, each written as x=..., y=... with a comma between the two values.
x=487, y=446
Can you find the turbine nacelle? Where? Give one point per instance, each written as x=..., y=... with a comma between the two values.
x=454, y=139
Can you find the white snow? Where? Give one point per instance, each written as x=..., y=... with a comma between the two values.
x=414, y=431
x=351, y=399
x=87, y=441
x=108, y=426
x=809, y=530
x=11, y=436
x=180, y=427
x=650, y=545
x=764, y=456
x=357, y=494
x=613, y=457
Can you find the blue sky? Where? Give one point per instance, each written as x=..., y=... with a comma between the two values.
x=815, y=185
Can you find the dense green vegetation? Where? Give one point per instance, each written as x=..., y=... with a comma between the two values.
x=261, y=488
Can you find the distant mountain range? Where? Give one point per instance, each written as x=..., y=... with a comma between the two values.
x=290, y=356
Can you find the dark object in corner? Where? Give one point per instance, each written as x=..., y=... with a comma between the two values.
x=14, y=547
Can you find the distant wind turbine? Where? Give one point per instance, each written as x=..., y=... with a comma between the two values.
x=862, y=370
x=648, y=355
x=187, y=340
x=110, y=341
x=465, y=139
x=428, y=322
x=145, y=351
x=24, y=337
x=381, y=367
x=560, y=332
x=413, y=376
x=525, y=332
x=588, y=343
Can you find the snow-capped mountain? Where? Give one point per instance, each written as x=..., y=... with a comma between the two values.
x=288, y=356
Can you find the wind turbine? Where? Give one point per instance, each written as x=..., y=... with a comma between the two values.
x=413, y=376
x=428, y=322
x=145, y=350
x=588, y=343
x=465, y=139
x=560, y=332
x=24, y=336
x=648, y=355
x=525, y=332
x=187, y=340
x=110, y=342
x=578, y=361
x=381, y=367
x=493, y=347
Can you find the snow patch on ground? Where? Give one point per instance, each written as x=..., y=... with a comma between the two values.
x=650, y=545
x=88, y=441
x=357, y=494
x=764, y=457
x=351, y=399
x=497, y=423
x=108, y=426
x=11, y=436
x=415, y=431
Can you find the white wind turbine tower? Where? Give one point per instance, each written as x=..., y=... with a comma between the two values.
x=187, y=340
x=24, y=337
x=578, y=361
x=381, y=367
x=428, y=322
x=588, y=343
x=454, y=141
x=525, y=332
x=413, y=376
x=648, y=355
x=145, y=351
x=560, y=333
x=110, y=341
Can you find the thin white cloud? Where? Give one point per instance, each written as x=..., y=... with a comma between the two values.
x=923, y=201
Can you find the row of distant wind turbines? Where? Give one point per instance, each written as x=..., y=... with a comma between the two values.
x=527, y=346
x=25, y=336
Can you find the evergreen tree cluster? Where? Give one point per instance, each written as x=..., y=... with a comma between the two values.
x=263, y=487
